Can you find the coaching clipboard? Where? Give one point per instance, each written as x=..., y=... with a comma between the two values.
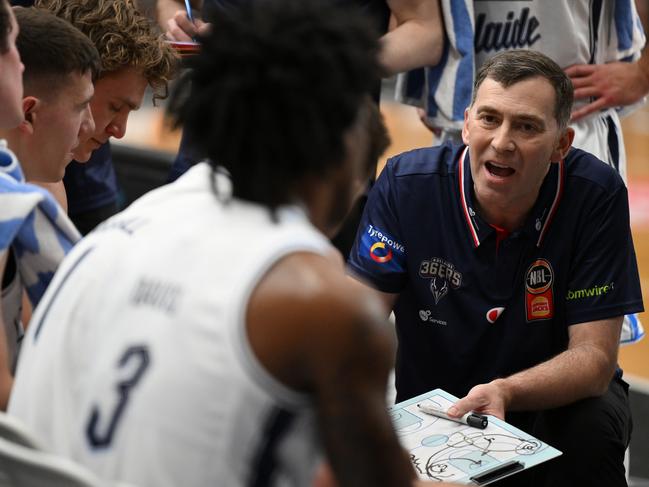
x=448, y=451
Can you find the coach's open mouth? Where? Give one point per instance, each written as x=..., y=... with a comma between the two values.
x=499, y=170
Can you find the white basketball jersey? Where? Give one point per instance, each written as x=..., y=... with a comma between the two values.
x=137, y=363
x=569, y=32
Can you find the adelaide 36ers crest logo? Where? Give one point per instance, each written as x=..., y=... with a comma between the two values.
x=539, y=302
x=442, y=275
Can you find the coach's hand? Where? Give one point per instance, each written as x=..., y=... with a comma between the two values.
x=484, y=398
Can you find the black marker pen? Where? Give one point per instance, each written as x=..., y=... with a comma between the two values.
x=471, y=419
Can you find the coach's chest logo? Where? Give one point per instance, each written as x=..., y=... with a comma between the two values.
x=539, y=280
x=442, y=275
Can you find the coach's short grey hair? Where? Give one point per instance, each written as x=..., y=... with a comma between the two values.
x=510, y=67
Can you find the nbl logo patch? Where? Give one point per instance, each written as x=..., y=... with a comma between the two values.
x=383, y=250
x=539, y=302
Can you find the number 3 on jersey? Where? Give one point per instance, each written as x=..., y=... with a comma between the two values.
x=101, y=437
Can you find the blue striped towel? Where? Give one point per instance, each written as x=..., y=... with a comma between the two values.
x=34, y=225
x=444, y=91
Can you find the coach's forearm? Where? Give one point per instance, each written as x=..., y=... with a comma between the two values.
x=580, y=372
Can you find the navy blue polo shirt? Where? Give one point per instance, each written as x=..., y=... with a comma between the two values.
x=470, y=308
x=93, y=184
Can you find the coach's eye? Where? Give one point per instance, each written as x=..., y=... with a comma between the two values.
x=488, y=119
x=528, y=127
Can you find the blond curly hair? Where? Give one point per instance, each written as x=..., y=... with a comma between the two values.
x=123, y=36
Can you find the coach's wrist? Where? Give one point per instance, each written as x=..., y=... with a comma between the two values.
x=505, y=392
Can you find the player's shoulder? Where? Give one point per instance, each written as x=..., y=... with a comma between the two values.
x=314, y=288
x=306, y=311
x=320, y=280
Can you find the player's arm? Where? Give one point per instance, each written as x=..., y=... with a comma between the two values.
x=583, y=370
x=6, y=379
x=417, y=36
x=317, y=334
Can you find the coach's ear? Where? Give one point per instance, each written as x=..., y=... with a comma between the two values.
x=31, y=105
x=563, y=144
x=465, y=127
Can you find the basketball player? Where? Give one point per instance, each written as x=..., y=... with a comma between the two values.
x=134, y=56
x=208, y=334
x=60, y=64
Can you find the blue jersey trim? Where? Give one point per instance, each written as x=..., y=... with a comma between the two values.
x=265, y=459
x=463, y=28
x=624, y=24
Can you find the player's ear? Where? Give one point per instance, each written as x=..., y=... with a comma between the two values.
x=564, y=142
x=31, y=105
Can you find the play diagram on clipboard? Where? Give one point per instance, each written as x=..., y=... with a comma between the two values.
x=452, y=452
